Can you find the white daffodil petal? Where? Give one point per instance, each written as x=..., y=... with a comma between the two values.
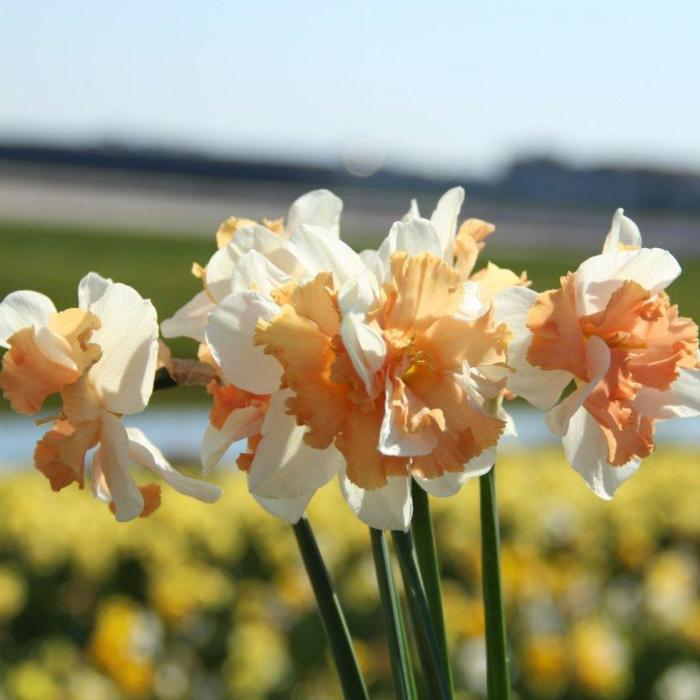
x=191, y=320
x=449, y=484
x=623, y=234
x=128, y=337
x=114, y=462
x=471, y=307
x=284, y=466
x=387, y=508
x=217, y=273
x=482, y=463
x=22, y=309
x=145, y=453
x=229, y=335
x=586, y=449
x=289, y=509
x=372, y=262
x=682, y=400
x=317, y=208
x=541, y=388
x=320, y=252
x=413, y=211
x=444, y=219
x=91, y=288
x=413, y=236
x=394, y=439
x=598, y=364
x=511, y=429
x=253, y=271
x=358, y=294
x=598, y=277
x=241, y=423
x=98, y=484
x=366, y=348
x=443, y=486
x=630, y=235
x=273, y=246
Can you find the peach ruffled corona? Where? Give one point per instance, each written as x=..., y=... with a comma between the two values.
x=385, y=374
x=611, y=328
x=100, y=358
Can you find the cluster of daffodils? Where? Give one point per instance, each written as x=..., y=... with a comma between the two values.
x=381, y=368
x=100, y=358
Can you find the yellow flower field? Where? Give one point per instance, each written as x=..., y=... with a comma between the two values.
x=202, y=601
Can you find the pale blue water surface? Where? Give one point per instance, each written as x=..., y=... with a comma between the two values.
x=179, y=432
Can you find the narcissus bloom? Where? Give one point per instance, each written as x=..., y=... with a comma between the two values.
x=385, y=375
x=253, y=261
x=382, y=374
x=307, y=270
x=612, y=329
x=101, y=358
x=236, y=237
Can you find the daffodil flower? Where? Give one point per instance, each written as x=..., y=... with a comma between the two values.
x=101, y=358
x=255, y=259
x=414, y=390
x=373, y=376
x=236, y=237
x=612, y=329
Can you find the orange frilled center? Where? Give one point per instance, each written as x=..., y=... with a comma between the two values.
x=227, y=398
x=648, y=341
x=426, y=349
x=29, y=375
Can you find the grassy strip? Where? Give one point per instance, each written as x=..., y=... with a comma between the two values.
x=53, y=259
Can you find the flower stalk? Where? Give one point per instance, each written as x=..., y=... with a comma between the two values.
x=401, y=669
x=429, y=651
x=332, y=617
x=498, y=680
x=426, y=552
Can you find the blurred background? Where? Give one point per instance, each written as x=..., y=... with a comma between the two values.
x=129, y=131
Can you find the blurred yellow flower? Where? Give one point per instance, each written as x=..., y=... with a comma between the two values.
x=12, y=592
x=671, y=587
x=600, y=658
x=257, y=660
x=179, y=590
x=118, y=646
x=545, y=663
x=29, y=681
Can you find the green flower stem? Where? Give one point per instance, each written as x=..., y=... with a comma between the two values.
x=428, y=648
x=334, y=624
x=498, y=681
x=401, y=669
x=426, y=551
x=407, y=654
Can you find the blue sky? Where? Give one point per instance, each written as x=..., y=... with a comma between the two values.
x=453, y=87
